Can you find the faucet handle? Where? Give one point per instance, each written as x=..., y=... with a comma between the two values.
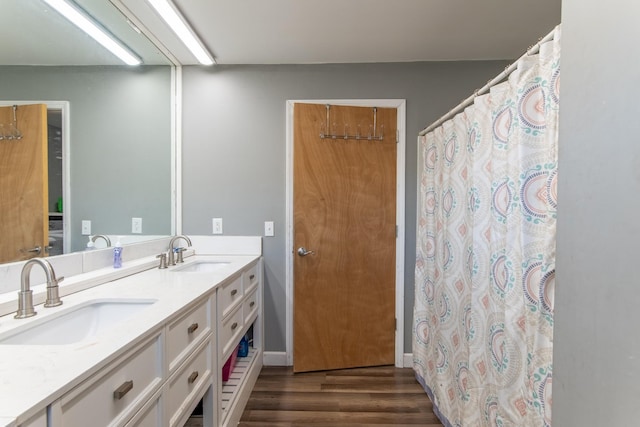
x=163, y=260
x=179, y=251
x=59, y=279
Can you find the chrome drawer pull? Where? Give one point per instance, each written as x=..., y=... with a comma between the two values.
x=192, y=377
x=122, y=390
x=191, y=329
x=234, y=292
x=252, y=304
x=234, y=326
x=252, y=277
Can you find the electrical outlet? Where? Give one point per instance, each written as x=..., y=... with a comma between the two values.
x=86, y=227
x=217, y=225
x=268, y=228
x=136, y=225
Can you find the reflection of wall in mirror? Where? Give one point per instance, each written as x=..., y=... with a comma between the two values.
x=120, y=120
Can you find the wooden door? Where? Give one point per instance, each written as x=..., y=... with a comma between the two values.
x=344, y=206
x=24, y=184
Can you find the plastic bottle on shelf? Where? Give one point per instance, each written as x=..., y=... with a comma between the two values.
x=243, y=348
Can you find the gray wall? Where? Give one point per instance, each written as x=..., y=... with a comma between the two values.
x=234, y=147
x=120, y=141
x=596, y=379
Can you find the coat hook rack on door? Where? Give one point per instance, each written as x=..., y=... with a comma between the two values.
x=12, y=132
x=328, y=131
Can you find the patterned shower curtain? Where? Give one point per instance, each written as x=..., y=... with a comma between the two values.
x=485, y=263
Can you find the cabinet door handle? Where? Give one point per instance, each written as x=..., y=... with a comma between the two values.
x=252, y=277
x=252, y=304
x=192, y=328
x=122, y=390
x=234, y=292
x=234, y=326
x=192, y=377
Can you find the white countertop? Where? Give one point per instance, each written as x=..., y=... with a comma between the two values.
x=34, y=376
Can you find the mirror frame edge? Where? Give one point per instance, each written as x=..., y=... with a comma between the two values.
x=176, y=149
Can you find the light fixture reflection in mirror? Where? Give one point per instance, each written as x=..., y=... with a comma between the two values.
x=80, y=19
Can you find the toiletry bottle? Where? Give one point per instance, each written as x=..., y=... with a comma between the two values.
x=117, y=254
x=90, y=245
x=243, y=348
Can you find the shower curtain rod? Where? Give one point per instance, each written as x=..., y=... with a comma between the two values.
x=484, y=89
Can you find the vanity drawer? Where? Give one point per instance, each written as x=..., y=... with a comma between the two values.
x=229, y=334
x=250, y=307
x=187, y=332
x=191, y=379
x=229, y=295
x=251, y=277
x=114, y=397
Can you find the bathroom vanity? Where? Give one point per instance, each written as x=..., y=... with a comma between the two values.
x=140, y=350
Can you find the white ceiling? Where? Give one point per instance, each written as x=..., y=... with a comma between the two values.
x=288, y=31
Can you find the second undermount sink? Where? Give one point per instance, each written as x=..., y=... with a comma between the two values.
x=201, y=266
x=75, y=324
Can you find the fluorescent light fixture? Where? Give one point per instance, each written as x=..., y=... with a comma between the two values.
x=86, y=24
x=171, y=16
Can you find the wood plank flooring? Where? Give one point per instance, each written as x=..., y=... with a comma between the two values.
x=380, y=396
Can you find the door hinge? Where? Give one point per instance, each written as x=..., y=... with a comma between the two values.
x=396, y=323
x=396, y=231
x=397, y=136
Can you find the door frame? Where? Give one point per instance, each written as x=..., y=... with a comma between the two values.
x=66, y=163
x=400, y=105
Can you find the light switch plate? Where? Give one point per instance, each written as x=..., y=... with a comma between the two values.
x=86, y=227
x=217, y=225
x=136, y=225
x=268, y=228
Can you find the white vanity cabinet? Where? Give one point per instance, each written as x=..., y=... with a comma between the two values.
x=156, y=383
x=158, y=378
x=239, y=309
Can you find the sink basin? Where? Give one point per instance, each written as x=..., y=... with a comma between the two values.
x=201, y=266
x=77, y=323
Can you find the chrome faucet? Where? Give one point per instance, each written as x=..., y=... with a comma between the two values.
x=106, y=239
x=172, y=259
x=25, y=296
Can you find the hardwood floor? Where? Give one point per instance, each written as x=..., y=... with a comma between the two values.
x=381, y=396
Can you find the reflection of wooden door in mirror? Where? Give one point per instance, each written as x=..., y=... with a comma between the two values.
x=24, y=184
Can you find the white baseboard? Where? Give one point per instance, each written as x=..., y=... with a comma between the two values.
x=274, y=358
x=408, y=360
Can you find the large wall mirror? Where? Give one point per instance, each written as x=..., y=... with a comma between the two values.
x=116, y=164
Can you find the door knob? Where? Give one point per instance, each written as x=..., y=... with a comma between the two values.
x=35, y=250
x=304, y=252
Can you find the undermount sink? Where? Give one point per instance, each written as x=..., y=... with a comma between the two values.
x=77, y=323
x=201, y=266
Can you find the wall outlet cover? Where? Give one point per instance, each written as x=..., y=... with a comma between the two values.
x=268, y=228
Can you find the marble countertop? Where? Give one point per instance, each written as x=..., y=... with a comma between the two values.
x=34, y=376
